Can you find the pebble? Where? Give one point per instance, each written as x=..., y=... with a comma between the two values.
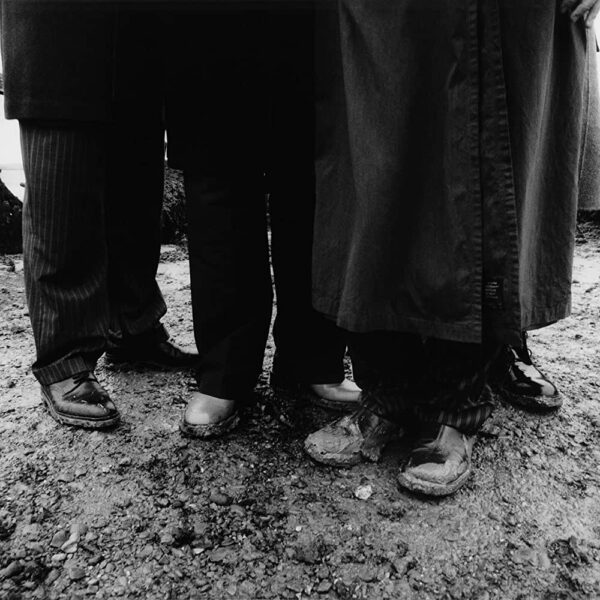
x=35, y=547
x=403, y=565
x=76, y=573
x=32, y=531
x=58, y=557
x=324, y=587
x=52, y=577
x=14, y=568
x=363, y=492
x=219, y=498
x=218, y=555
x=238, y=510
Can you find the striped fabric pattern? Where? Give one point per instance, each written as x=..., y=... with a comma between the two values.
x=64, y=250
x=69, y=178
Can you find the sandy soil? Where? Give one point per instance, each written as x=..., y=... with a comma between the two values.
x=140, y=512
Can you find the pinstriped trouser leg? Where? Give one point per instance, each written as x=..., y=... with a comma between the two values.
x=435, y=381
x=64, y=239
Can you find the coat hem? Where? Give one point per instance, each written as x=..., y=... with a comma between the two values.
x=470, y=333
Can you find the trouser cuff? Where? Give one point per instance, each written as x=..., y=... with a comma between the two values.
x=63, y=369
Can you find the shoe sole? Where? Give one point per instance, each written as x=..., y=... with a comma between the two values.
x=210, y=430
x=418, y=486
x=316, y=400
x=533, y=403
x=78, y=421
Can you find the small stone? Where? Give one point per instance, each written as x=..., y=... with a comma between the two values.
x=58, y=557
x=366, y=573
x=52, y=577
x=76, y=573
x=32, y=531
x=324, y=587
x=80, y=472
x=363, y=492
x=238, y=510
x=20, y=553
x=403, y=565
x=69, y=547
x=14, y=568
x=295, y=586
x=200, y=526
x=35, y=548
x=218, y=555
x=309, y=550
x=219, y=498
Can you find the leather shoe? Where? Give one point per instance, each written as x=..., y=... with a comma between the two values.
x=440, y=463
x=341, y=396
x=209, y=417
x=80, y=401
x=348, y=441
x=336, y=396
x=525, y=385
x=157, y=354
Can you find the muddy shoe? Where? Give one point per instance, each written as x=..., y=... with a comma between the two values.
x=209, y=417
x=440, y=463
x=526, y=386
x=348, y=441
x=80, y=401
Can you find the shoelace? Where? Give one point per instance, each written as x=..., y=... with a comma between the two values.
x=81, y=378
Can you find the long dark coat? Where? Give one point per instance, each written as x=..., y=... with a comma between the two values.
x=448, y=166
x=84, y=61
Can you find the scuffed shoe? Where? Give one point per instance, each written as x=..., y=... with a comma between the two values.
x=209, y=417
x=348, y=441
x=80, y=401
x=440, y=463
x=525, y=385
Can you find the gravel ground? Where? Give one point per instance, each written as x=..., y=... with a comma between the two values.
x=140, y=512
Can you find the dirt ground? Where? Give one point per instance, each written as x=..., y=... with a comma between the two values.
x=140, y=512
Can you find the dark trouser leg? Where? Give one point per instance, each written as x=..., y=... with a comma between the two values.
x=134, y=203
x=230, y=278
x=64, y=245
x=435, y=381
x=310, y=348
x=136, y=173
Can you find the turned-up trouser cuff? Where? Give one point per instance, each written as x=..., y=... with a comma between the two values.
x=91, y=237
x=431, y=380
